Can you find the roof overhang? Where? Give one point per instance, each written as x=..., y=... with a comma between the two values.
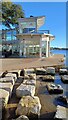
x=34, y=39
x=51, y=37
x=30, y=39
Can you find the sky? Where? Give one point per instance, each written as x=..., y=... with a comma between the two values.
x=55, y=18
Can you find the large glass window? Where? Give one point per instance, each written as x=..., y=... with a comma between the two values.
x=11, y=35
x=27, y=30
x=14, y=35
x=44, y=48
x=26, y=27
x=8, y=35
x=32, y=30
x=0, y=36
x=3, y=35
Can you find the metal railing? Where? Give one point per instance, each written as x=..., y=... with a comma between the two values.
x=39, y=31
x=44, y=31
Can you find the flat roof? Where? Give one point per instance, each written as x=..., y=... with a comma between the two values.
x=39, y=19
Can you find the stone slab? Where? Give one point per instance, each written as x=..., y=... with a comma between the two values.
x=7, y=86
x=24, y=90
x=29, y=105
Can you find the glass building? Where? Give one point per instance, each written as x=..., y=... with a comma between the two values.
x=27, y=40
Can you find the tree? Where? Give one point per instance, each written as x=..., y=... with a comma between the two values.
x=10, y=14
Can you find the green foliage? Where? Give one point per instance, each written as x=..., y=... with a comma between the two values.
x=10, y=13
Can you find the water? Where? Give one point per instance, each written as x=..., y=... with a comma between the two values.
x=64, y=52
x=65, y=86
x=59, y=52
x=57, y=76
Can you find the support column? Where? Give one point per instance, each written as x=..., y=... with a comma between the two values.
x=12, y=49
x=33, y=49
x=47, y=50
x=24, y=52
x=40, y=51
x=36, y=48
x=20, y=51
x=28, y=49
x=24, y=48
x=36, y=25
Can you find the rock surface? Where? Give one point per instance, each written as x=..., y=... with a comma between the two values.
x=8, y=79
x=29, y=82
x=50, y=70
x=22, y=117
x=29, y=105
x=29, y=74
x=13, y=75
x=7, y=86
x=4, y=96
x=24, y=90
x=61, y=113
x=47, y=77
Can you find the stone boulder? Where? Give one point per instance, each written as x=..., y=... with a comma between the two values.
x=24, y=90
x=12, y=74
x=50, y=70
x=29, y=105
x=47, y=78
x=4, y=97
x=22, y=117
x=8, y=79
x=7, y=86
x=29, y=73
x=61, y=113
x=63, y=71
x=29, y=82
x=4, y=74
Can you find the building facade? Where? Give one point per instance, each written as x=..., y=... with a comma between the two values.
x=28, y=40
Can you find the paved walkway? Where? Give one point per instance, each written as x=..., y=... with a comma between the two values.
x=19, y=63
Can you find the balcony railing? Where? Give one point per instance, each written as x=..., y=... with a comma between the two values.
x=43, y=31
x=8, y=37
x=38, y=32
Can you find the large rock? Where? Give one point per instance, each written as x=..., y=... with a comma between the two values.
x=63, y=71
x=29, y=74
x=50, y=70
x=29, y=105
x=61, y=113
x=24, y=90
x=17, y=72
x=8, y=79
x=4, y=96
x=13, y=75
x=47, y=78
x=53, y=88
x=29, y=82
x=4, y=74
x=22, y=117
x=40, y=71
x=64, y=78
x=7, y=86
x=1, y=74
